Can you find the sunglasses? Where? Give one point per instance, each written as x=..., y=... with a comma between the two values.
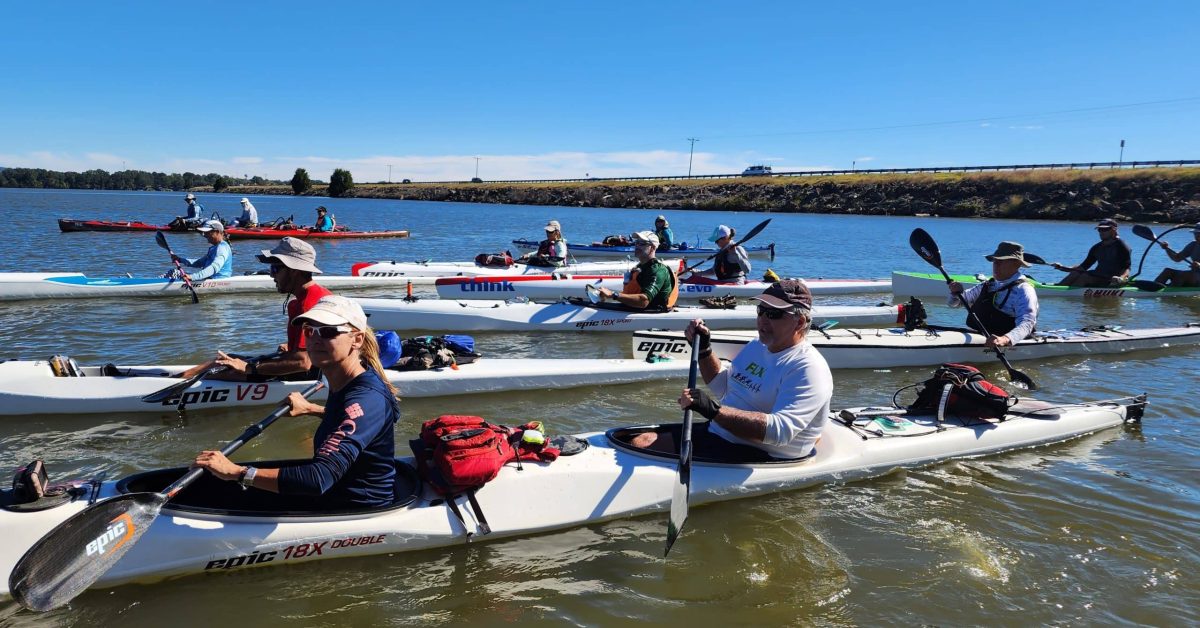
x=328, y=332
x=774, y=314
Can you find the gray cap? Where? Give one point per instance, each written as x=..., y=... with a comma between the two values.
x=211, y=225
x=293, y=253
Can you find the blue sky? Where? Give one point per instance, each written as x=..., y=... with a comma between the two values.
x=563, y=89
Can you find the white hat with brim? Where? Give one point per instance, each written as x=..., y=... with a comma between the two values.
x=721, y=231
x=334, y=310
x=190, y=197
x=293, y=253
x=553, y=226
x=244, y=201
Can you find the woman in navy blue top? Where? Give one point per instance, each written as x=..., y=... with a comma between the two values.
x=354, y=446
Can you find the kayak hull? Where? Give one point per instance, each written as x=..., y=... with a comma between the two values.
x=69, y=225
x=269, y=233
x=905, y=284
x=18, y=286
x=575, y=490
x=427, y=273
x=766, y=251
x=455, y=316
x=30, y=387
x=888, y=348
x=565, y=286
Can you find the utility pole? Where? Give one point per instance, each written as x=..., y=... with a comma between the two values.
x=1121, y=159
x=389, y=173
x=853, y=165
x=690, y=153
x=476, y=167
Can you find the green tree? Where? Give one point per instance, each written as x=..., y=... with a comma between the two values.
x=220, y=183
x=340, y=182
x=300, y=181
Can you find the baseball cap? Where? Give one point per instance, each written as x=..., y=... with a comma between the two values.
x=211, y=225
x=646, y=236
x=553, y=226
x=721, y=231
x=1107, y=223
x=787, y=293
x=334, y=310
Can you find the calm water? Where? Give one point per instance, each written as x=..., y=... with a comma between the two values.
x=1090, y=532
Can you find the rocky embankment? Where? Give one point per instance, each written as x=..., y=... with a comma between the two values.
x=1160, y=195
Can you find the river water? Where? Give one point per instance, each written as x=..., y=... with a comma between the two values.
x=1093, y=531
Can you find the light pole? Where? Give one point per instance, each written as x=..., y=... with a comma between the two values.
x=691, y=151
x=1121, y=158
x=853, y=165
x=476, y=167
x=389, y=173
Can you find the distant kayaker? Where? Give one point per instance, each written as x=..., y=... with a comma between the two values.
x=731, y=265
x=1111, y=255
x=292, y=266
x=249, y=217
x=666, y=237
x=652, y=286
x=1006, y=304
x=194, y=214
x=325, y=222
x=1190, y=276
x=217, y=263
x=774, y=395
x=355, y=445
x=552, y=251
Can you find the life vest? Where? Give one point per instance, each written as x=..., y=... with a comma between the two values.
x=633, y=287
x=987, y=310
x=726, y=270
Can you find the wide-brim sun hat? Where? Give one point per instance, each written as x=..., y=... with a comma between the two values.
x=293, y=253
x=1008, y=250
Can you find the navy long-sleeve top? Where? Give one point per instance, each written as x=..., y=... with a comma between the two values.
x=354, y=448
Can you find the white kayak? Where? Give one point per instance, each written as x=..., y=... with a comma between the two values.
x=906, y=285
x=16, y=286
x=31, y=387
x=598, y=250
x=563, y=286
x=887, y=348
x=215, y=526
x=428, y=272
x=456, y=316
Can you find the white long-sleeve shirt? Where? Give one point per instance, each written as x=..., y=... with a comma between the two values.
x=1021, y=304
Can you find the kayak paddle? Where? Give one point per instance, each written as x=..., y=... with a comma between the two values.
x=1142, y=231
x=683, y=479
x=78, y=551
x=927, y=248
x=161, y=239
x=182, y=385
x=1140, y=284
x=746, y=238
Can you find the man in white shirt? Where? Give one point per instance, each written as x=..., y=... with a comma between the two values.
x=249, y=217
x=1004, y=307
x=774, y=396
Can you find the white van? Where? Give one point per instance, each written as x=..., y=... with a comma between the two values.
x=756, y=171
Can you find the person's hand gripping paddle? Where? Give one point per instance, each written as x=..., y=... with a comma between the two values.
x=161, y=239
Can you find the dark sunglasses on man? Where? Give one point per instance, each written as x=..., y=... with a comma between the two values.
x=774, y=313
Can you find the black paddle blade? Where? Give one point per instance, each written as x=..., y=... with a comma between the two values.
x=1147, y=285
x=69, y=559
x=926, y=247
x=1036, y=259
x=161, y=240
x=1142, y=231
x=755, y=231
x=178, y=387
x=679, y=496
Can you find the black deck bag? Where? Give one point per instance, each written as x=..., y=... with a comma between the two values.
x=494, y=260
x=969, y=394
x=430, y=352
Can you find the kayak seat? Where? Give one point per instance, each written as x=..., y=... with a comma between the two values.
x=209, y=495
x=706, y=448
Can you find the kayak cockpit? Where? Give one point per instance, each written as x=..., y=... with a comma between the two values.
x=209, y=495
x=721, y=453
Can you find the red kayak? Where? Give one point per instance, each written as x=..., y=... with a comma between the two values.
x=260, y=233
x=70, y=224
x=271, y=233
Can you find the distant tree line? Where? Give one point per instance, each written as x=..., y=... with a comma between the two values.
x=123, y=180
